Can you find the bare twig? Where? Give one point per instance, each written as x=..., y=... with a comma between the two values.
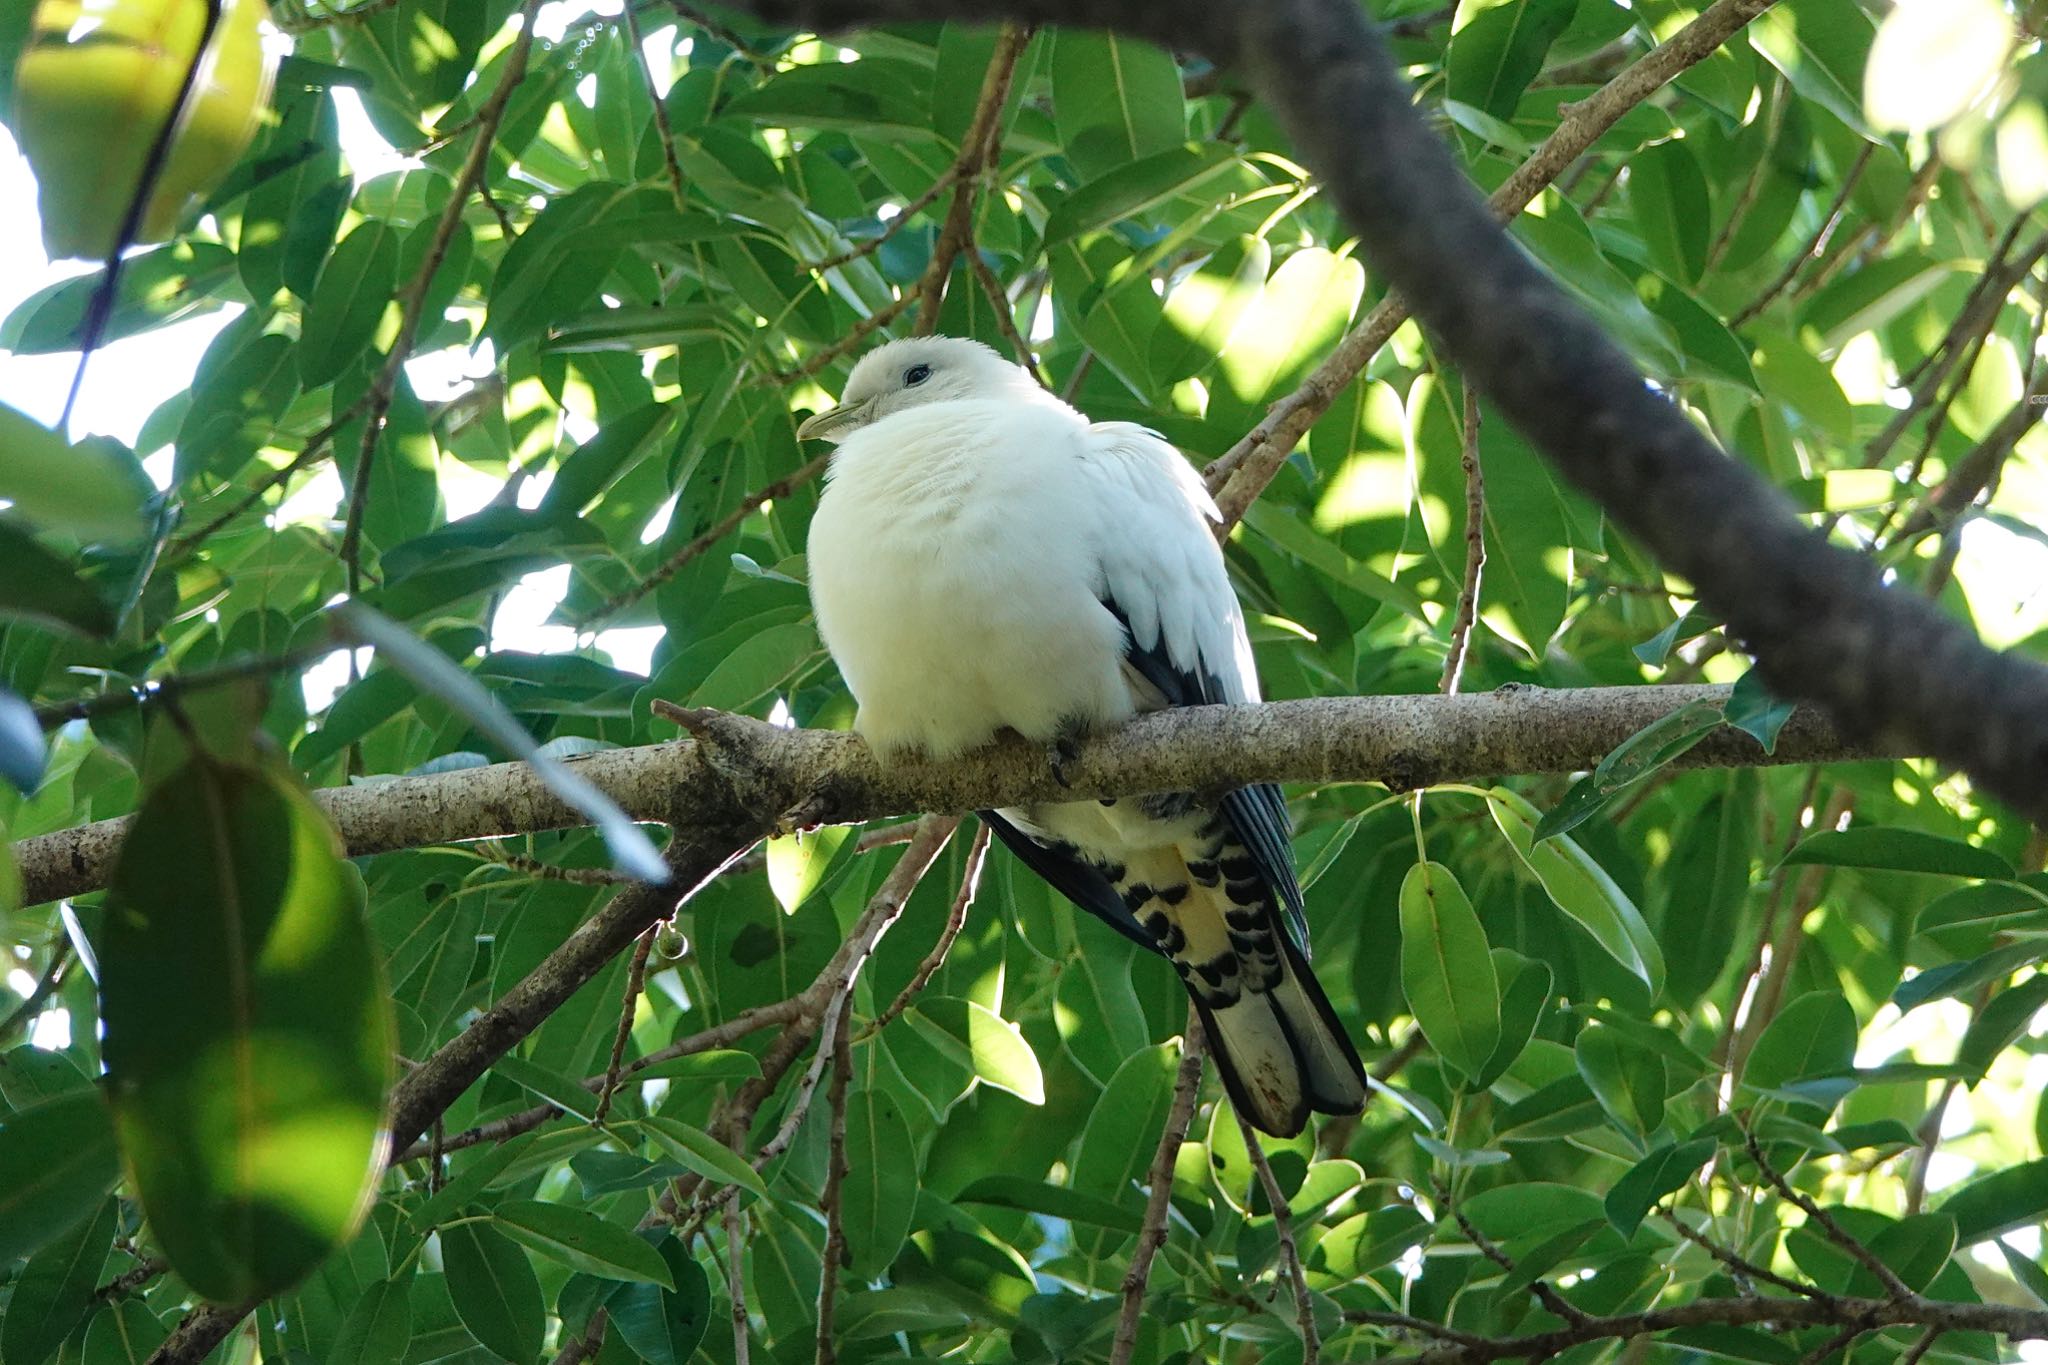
x=736, y=1284
x=1475, y=548
x=836, y=1171
x=1006, y=321
x=1290, y=1255
x=664, y=131
x=1895, y=1287
x=717, y=531
x=1545, y=1294
x=1738, y=1265
x=956, y=919
x=412, y=298
x=1816, y=246
x=1159, y=1181
x=636, y=976
x=978, y=149
x=1239, y=475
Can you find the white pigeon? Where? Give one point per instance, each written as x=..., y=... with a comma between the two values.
x=985, y=559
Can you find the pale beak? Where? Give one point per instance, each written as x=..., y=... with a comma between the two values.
x=833, y=424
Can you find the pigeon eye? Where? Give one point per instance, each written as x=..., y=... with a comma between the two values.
x=916, y=375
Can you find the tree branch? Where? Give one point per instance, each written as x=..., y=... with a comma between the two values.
x=1159, y=1185
x=1268, y=444
x=1461, y=1348
x=1403, y=742
x=1818, y=617
x=412, y=298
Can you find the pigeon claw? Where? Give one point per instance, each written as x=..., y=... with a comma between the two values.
x=1063, y=749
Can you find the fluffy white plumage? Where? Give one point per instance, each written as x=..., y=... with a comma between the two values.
x=985, y=558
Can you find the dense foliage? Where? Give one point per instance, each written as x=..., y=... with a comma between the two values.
x=647, y=258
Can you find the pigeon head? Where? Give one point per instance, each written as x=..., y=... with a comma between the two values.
x=909, y=373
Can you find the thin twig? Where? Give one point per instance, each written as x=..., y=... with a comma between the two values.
x=718, y=531
x=1895, y=1287
x=1006, y=321
x=979, y=147
x=1290, y=1255
x=412, y=298
x=870, y=245
x=1815, y=246
x=636, y=977
x=835, y=984
x=46, y=985
x=829, y=1203
x=1239, y=475
x=662, y=128
x=1475, y=548
x=1739, y=1266
x=736, y=1284
x=1159, y=1182
x=956, y=919
x=1555, y=1302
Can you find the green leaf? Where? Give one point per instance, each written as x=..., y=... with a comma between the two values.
x=698, y=1151
x=1135, y=187
x=248, y=1031
x=1632, y=760
x=1521, y=1010
x=564, y=1093
x=355, y=288
x=1667, y=194
x=1366, y=1243
x=757, y=667
x=2001, y=1022
x=1115, y=100
x=54, y=1291
x=798, y=863
x=1203, y=308
x=1708, y=876
x=664, y=1327
x=1628, y=1081
x=378, y=1327
x=1959, y=978
x=879, y=1193
x=494, y=1290
x=38, y=585
x=593, y=466
x=1123, y=1130
x=2001, y=1202
x=171, y=283
x=94, y=490
x=719, y=1064
x=1053, y=1201
x=988, y=1045
x=1649, y=1180
x=582, y=1241
x=1495, y=55
x=1446, y=969
x=1899, y=850
x=1915, y=1248
x=1815, y=1035
x=1579, y=887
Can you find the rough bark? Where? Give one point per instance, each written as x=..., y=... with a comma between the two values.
x=829, y=777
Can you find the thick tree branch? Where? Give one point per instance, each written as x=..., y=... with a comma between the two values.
x=1818, y=617
x=1460, y=1348
x=1404, y=742
x=1267, y=445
